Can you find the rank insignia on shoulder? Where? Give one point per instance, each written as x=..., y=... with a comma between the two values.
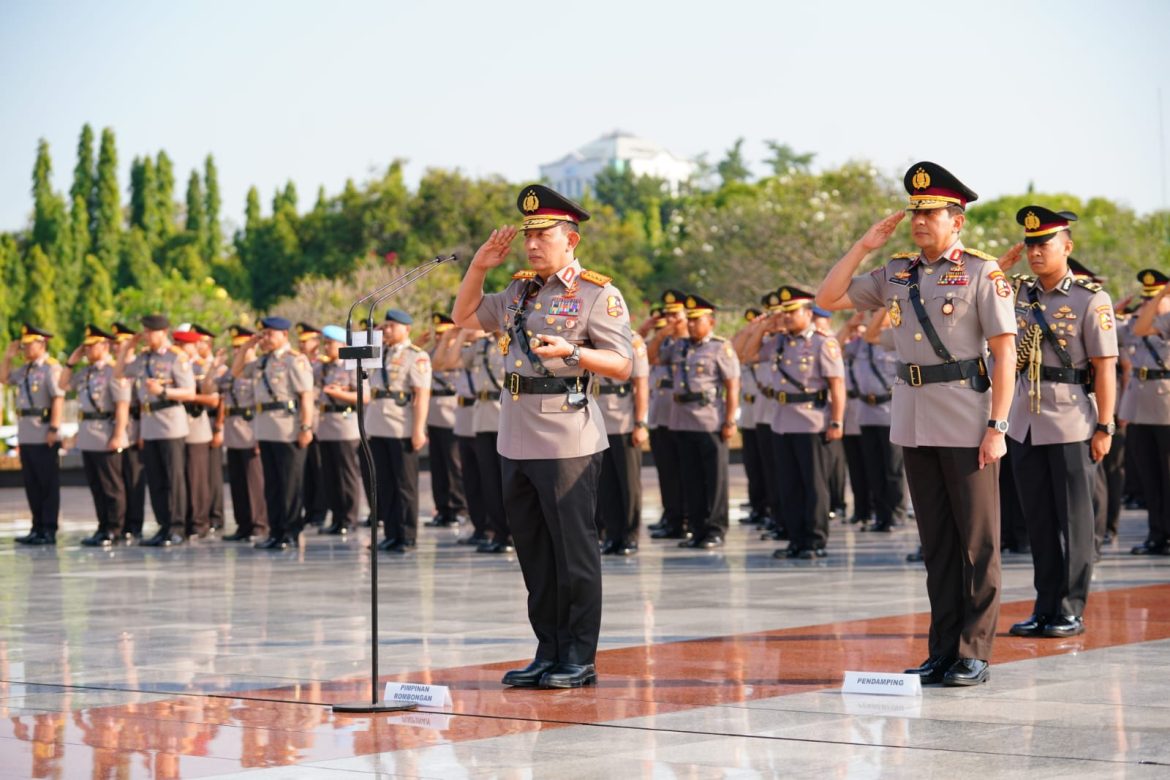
x=980, y=255
x=595, y=278
x=904, y=256
x=1091, y=286
x=524, y=273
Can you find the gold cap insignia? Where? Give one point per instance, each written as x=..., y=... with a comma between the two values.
x=669, y=298
x=24, y=330
x=1148, y=279
x=785, y=295
x=921, y=179
x=690, y=302
x=531, y=202
x=1031, y=222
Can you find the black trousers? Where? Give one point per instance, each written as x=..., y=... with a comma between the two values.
x=1055, y=483
x=396, y=466
x=802, y=467
x=668, y=462
x=491, y=484
x=767, y=449
x=473, y=485
x=885, y=472
x=704, y=474
x=343, y=480
x=956, y=506
x=1150, y=447
x=103, y=474
x=215, y=482
x=198, y=514
x=1013, y=528
x=134, y=479
x=859, y=482
x=1114, y=465
x=284, y=471
x=753, y=466
x=446, y=472
x=41, y=472
x=551, y=506
x=619, y=500
x=166, y=476
x=835, y=469
x=314, y=502
x=246, y=477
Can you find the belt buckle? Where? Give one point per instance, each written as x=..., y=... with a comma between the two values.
x=514, y=384
x=871, y=399
x=146, y=408
x=782, y=397
x=1143, y=373
x=915, y=375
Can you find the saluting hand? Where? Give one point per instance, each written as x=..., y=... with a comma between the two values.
x=877, y=236
x=496, y=249
x=13, y=348
x=75, y=356
x=1011, y=257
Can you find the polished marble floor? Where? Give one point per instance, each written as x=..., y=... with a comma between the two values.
x=217, y=660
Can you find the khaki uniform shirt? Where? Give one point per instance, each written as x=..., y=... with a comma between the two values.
x=238, y=395
x=405, y=368
x=1146, y=401
x=487, y=372
x=441, y=411
x=170, y=366
x=97, y=392
x=979, y=298
x=810, y=358
x=1083, y=319
x=336, y=421
x=876, y=368
x=703, y=367
x=662, y=385
x=750, y=398
x=585, y=309
x=465, y=391
x=199, y=416
x=36, y=387
x=279, y=377
x=617, y=409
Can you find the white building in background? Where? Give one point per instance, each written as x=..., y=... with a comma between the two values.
x=574, y=173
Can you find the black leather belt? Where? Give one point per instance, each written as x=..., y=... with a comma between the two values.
x=917, y=376
x=820, y=397
x=487, y=395
x=543, y=385
x=158, y=407
x=195, y=410
x=749, y=398
x=97, y=415
x=247, y=412
x=466, y=400
x=336, y=409
x=1151, y=373
x=273, y=406
x=136, y=412
x=622, y=389
x=702, y=398
x=400, y=397
x=42, y=413
x=1068, y=376
x=870, y=399
x=666, y=383
x=442, y=393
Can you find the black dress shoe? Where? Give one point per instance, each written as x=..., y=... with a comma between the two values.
x=1063, y=626
x=1030, y=627
x=42, y=539
x=129, y=537
x=397, y=546
x=238, y=536
x=915, y=557
x=98, y=540
x=163, y=540
x=626, y=549
x=967, y=671
x=806, y=554
x=496, y=547
x=386, y=544
x=1151, y=548
x=609, y=546
x=271, y=543
x=775, y=535
x=821, y=552
x=667, y=533
x=31, y=538
x=475, y=539
x=569, y=676
x=337, y=529
x=529, y=676
x=705, y=542
x=932, y=670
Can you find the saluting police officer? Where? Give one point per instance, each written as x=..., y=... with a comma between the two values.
x=205, y=352
x=39, y=402
x=443, y=449
x=947, y=304
x=702, y=421
x=875, y=367
x=661, y=351
x=199, y=436
x=316, y=503
x=397, y=421
x=750, y=402
x=456, y=355
x=624, y=406
x=237, y=409
x=761, y=339
x=162, y=374
x=337, y=432
x=1067, y=348
x=487, y=373
x=283, y=384
x=101, y=431
x=133, y=472
x=1146, y=406
x=850, y=337
x=551, y=433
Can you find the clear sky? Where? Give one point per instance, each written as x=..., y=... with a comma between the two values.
x=1063, y=94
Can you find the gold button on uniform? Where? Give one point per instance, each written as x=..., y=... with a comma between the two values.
x=918, y=337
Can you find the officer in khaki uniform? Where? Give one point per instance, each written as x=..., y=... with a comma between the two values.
x=761, y=338
x=456, y=355
x=337, y=434
x=133, y=472
x=282, y=379
x=850, y=339
x=875, y=367
x=702, y=421
x=446, y=465
x=661, y=351
x=205, y=352
x=1146, y=406
x=237, y=409
x=624, y=407
x=487, y=368
x=316, y=500
x=750, y=401
x=164, y=381
x=39, y=403
x=947, y=304
x=396, y=419
x=199, y=437
x=1066, y=348
x=562, y=325
x=101, y=431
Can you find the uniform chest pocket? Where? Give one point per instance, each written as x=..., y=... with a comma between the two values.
x=702, y=367
x=948, y=307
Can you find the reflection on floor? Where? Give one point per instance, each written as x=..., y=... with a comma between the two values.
x=217, y=660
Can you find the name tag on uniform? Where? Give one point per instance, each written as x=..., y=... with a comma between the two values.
x=564, y=306
x=902, y=278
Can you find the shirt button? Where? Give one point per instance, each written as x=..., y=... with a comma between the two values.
x=537, y=306
x=918, y=337
x=518, y=364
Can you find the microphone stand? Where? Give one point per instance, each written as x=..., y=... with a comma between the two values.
x=370, y=351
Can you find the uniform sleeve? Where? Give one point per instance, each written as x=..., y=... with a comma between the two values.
x=54, y=387
x=641, y=362
x=1100, y=329
x=728, y=362
x=420, y=370
x=300, y=375
x=491, y=308
x=608, y=325
x=829, y=358
x=133, y=370
x=866, y=291
x=120, y=390
x=886, y=338
x=995, y=302
x=250, y=369
x=76, y=379
x=1162, y=325
x=182, y=374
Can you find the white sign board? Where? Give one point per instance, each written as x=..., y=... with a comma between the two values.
x=360, y=340
x=882, y=684
x=422, y=695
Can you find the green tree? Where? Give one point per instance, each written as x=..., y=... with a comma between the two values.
x=107, y=236
x=192, y=300
x=137, y=268
x=785, y=159
x=733, y=167
x=79, y=219
x=620, y=188
x=164, y=197
x=213, y=203
x=40, y=300
x=97, y=305
x=144, y=206
x=50, y=229
x=196, y=225
x=85, y=180
x=12, y=277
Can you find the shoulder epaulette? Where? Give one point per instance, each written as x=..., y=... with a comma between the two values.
x=718, y=338
x=414, y=348
x=601, y=280
x=52, y=361
x=524, y=273
x=325, y=359
x=980, y=255
x=296, y=352
x=904, y=256
x=1023, y=278
x=1091, y=286
x=179, y=351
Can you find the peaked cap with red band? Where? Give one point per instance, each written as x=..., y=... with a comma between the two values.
x=1041, y=224
x=543, y=207
x=932, y=186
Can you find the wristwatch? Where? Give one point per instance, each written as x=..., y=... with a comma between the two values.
x=306, y=427
x=1109, y=428
x=573, y=357
x=642, y=424
x=834, y=424
x=999, y=426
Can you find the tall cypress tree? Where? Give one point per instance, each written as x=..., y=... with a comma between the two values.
x=196, y=220
x=138, y=267
x=252, y=210
x=144, y=212
x=12, y=277
x=85, y=178
x=40, y=299
x=164, y=191
x=97, y=304
x=213, y=203
x=80, y=226
x=108, y=233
